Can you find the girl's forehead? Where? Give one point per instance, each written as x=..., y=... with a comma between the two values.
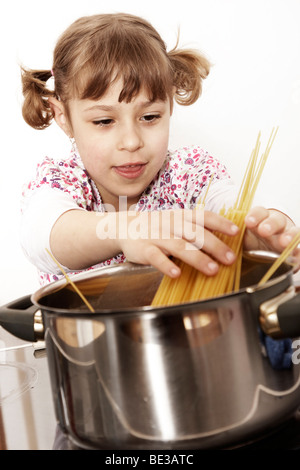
x=117, y=89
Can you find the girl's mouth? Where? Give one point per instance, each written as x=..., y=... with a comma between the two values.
x=130, y=171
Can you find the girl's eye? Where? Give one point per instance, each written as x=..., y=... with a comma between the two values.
x=150, y=117
x=103, y=122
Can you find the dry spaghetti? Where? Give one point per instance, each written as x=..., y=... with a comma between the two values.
x=72, y=283
x=284, y=255
x=194, y=285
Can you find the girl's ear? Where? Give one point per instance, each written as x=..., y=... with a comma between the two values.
x=60, y=115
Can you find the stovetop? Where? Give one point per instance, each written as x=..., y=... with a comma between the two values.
x=284, y=437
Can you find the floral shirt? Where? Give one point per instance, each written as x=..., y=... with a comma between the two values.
x=181, y=182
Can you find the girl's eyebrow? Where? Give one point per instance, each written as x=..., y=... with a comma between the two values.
x=99, y=107
x=104, y=107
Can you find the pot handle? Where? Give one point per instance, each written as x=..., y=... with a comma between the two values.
x=280, y=316
x=288, y=315
x=22, y=319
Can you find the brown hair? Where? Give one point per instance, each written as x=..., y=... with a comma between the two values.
x=98, y=49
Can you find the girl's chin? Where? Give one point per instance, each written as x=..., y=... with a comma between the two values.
x=128, y=201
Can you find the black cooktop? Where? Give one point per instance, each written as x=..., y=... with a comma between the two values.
x=284, y=437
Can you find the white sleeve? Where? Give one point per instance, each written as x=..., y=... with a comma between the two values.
x=40, y=211
x=273, y=202
x=224, y=193
x=221, y=193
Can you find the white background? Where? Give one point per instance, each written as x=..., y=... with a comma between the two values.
x=254, y=84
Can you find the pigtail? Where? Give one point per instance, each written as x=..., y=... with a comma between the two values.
x=36, y=108
x=190, y=68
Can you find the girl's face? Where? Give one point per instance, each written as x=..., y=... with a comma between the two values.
x=122, y=145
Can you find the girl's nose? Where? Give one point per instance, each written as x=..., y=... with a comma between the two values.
x=130, y=138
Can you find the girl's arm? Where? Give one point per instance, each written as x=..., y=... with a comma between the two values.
x=80, y=239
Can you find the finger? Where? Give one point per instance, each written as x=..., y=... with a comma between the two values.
x=215, y=222
x=159, y=260
x=190, y=255
x=217, y=249
x=200, y=261
x=288, y=236
x=296, y=256
x=271, y=228
x=255, y=216
x=265, y=221
x=206, y=241
x=205, y=260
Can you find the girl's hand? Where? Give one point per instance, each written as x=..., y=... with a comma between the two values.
x=268, y=229
x=189, y=239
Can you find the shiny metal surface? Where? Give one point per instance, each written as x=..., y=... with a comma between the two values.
x=38, y=325
x=187, y=376
x=268, y=312
x=153, y=383
x=27, y=419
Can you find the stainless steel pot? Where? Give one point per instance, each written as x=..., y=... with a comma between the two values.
x=196, y=375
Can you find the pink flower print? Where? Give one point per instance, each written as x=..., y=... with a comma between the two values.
x=55, y=184
x=189, y=161
x=179, y=203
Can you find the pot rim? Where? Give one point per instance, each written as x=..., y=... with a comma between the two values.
x=54, y=286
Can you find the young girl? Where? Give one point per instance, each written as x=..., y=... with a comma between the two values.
x=113, y=97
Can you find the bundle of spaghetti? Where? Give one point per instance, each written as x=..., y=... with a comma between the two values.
x=193, y=285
